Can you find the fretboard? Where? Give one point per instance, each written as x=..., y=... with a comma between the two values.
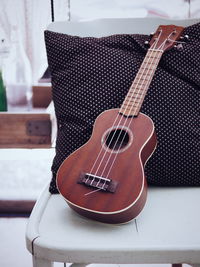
x=135, y=97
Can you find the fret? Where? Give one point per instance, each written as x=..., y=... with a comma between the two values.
x=135, y=92
x=155, y=50
x=138, y=86
x=150, y=57
x=131, y=105
x=128, y=109
x=141, y=77
x=150, y=61
x=142, y=80
x=134, y=99
x=147, y=69
x=126, y=112
x=139, y=74
x=139, y=89
x=136, y=96
x=137, y=80
x=141, y=85
x=131, y=99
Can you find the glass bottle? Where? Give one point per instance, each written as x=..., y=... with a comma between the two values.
x=18, y=74
x=3, y=98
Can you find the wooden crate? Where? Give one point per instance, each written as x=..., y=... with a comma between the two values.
x=34, y=129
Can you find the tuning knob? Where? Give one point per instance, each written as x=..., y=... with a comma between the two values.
x=184, y=38
x=146, y=43
x=179, y=47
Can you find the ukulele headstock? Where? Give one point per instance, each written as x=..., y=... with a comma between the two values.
x=165, y=37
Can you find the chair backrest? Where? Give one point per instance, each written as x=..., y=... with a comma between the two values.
x=105, y=27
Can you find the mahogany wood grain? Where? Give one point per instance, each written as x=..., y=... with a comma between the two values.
x=127, y=169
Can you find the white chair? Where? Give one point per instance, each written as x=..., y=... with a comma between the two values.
x=167, y=230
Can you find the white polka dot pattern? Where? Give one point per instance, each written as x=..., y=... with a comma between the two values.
x=90, y=75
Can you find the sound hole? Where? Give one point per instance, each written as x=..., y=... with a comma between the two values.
x=117, y=139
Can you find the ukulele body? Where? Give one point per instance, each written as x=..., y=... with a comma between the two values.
x=104, y=179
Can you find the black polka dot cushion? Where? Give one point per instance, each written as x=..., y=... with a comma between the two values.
x=90, y=75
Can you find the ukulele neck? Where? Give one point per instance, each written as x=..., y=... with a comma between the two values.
x=136, y=94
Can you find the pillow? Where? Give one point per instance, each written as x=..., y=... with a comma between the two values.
x=90, y=75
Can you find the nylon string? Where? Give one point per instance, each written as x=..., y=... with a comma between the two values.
x=143, y=92
x=107, y=149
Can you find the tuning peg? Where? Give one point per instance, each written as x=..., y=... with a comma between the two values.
x=184, y=38
x=146, y=43
x=179, y=47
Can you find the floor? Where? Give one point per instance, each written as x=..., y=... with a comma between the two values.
x=13, y=250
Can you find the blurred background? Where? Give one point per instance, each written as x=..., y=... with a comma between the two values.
x=24, y=170
x=32, y=17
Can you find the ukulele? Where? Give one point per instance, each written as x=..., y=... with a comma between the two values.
x=104, y=179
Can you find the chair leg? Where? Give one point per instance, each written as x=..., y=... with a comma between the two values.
x=41, y=262
x=177, y=265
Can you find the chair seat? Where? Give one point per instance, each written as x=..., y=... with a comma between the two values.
x=166, y=231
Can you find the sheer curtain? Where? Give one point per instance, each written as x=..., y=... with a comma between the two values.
x=33, y=16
